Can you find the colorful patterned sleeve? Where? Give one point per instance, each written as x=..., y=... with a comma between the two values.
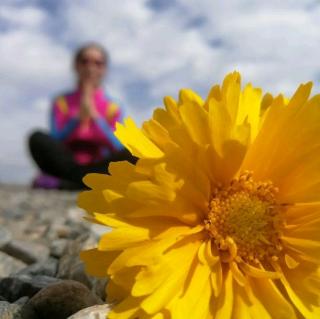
x=114, y=114
x=107, y=124
x=60, y=125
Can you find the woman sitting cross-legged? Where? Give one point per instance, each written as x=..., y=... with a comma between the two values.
x=81, y=139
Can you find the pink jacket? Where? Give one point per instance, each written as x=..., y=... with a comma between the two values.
x=90, y=141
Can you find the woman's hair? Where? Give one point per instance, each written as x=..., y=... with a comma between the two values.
x=80, y=51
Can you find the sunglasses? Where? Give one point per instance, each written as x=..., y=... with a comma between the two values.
x=96, y=62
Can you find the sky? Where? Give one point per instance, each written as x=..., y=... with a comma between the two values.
x=157, y=47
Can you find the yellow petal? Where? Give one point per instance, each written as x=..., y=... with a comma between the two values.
x=214, y=94
x=302, y=184
x=266, y=102
x=96, y=181
x=189, y=96
x=300, y=291
x=150, y=252
x=305, y=230
x=300, y=96
x=157, y=133
x=145, y=254
x=122, y=238
x=171, y=107
x=230, y=94
x=189, y=215
x=195, y=118
x=216, y=279
x=143, y=191
x=123, y=173
x=135, y=141
x=258, y=272
x=93, y=201
x=291, y=262
x=302, y=213
x=261, y=151
x=97, y=262
x=170, y=117
x=181, y=259
x=249, y=109
x=196, y=184
x=258, y=300
x=229, y=142
x=211, y=255
x=125, y=278
x=308, y=249
x=127, y=309
x=197, y=294
x=270, y=301
x=286, y=150
x=149, y=279
x=163, y=187
x=115, y=293
x=237, y=274
x=241, y=307
x=224, y=303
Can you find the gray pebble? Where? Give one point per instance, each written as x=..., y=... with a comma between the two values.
x=9, y=265
x=28, y=252
x=94, y=312
x=48, y=267
x=5, y=236
x=62, y=299
x=58, y=247
x=13, y=288
x=22, y=301
x=9, y=311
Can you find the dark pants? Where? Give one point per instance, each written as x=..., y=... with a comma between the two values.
x=53, y=158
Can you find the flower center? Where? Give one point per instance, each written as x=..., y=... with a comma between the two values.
x=244, y=220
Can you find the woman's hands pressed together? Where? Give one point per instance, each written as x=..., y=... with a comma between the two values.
x=87, y=107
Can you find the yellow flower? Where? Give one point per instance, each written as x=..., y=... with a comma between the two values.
x=220, y=217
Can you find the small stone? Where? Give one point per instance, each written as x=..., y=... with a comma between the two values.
x=63, y=231
x=62, y=299
x=9, y=265
x=13, y=288
x=22, y=301
x=75, y=215
x=18, y=227
x=5, y=236
x=77, y=230
x=58, y=247
x=94, y=312
x=9, y=311
x=28, y=252
x=99, y=287
x=36, y=232
x=57, y=226
x=27, y=312
x=48, y=267
x=71, y=267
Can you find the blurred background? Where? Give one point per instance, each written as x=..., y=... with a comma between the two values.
x=156, y=48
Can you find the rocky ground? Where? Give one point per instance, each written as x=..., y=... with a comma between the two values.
x=41, y=276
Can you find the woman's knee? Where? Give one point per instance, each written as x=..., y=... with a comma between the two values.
x=37, y=138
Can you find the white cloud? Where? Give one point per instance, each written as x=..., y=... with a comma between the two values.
x=25, y=17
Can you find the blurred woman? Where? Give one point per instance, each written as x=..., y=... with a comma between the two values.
x=81, y=138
